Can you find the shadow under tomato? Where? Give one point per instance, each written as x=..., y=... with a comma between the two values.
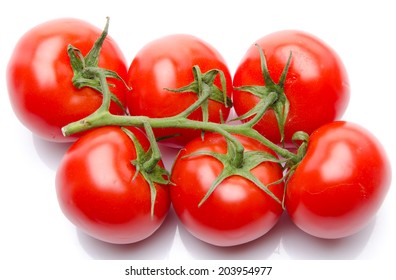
x=155, y=247
x=50, y=153
x=261, y=248
x=302, y=246
x=168, y=155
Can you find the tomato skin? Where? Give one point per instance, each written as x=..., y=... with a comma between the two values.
x=316, y=86
x=167, y=63
x=237, y=211
x=39, y=77
x=97, y=193
x=341, y=182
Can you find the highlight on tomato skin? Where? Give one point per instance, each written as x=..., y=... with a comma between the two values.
x=238, y=211
x=39, y=77
x=340, y=184
x=99, y=191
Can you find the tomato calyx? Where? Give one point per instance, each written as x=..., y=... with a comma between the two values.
x=83, y=66
x=301, y=140
x=251, y=159
x=281, y=105
x=146, y=164
x=204, y=84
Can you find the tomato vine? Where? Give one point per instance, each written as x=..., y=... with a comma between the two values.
x=236, y=162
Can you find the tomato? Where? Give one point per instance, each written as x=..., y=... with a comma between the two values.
x=237, y=211
x=340, y=183
x=316, y=85
x=39, y=77
x=166, y=63
x=98, y=193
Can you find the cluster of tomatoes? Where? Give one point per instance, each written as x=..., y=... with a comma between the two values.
x=332, y=191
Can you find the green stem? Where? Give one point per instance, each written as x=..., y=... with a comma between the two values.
x=102, y=117
x=156, y=154
x=271, y=98
x=103, y=83
x=202, y=98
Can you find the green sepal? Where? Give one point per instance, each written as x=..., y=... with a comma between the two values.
x=81, y=66
x=204, y=83
x=301, y=140
x=281, y=109
x=281, y=106
x=156, y=174
x=251, y=159
x=255, y=110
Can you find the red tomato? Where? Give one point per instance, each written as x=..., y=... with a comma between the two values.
x=167, y=63
x=341, y=182
x=237, y=211
x=316, y=85
x=39, y=77
x=97, y=192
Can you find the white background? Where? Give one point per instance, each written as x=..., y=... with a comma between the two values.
x=34, y=233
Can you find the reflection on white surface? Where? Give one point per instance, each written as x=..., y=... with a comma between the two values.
x=284, y=241
x=155, y=247
x=50, y=153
